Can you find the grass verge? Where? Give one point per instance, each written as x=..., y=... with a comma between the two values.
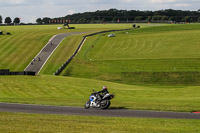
x=37, y=123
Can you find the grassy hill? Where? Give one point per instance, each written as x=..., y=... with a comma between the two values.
x=157, y=55
x=69, y=45
x=163, y=55
x=60, y=90
x=18, y=49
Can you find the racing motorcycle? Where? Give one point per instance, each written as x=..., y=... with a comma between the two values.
x=96, y=101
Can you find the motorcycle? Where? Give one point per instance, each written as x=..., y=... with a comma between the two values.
x=96, y=101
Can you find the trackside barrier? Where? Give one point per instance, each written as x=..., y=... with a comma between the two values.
x=79, y=46
x=70, y=58
x=7, y=72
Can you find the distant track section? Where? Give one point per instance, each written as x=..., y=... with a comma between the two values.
x=64, y=110
x=42, y=57
x=59, y=71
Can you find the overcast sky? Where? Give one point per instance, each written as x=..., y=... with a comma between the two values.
x=30, y=10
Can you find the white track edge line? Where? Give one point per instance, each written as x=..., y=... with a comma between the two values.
x=50, y=55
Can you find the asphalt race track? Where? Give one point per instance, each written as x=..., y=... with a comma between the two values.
x=39, y=61
x=113, y=112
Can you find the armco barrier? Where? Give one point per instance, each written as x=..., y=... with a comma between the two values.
x=70, y=58
x=7, y=72
x=79, y=46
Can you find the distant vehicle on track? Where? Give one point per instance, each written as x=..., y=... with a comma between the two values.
x=111, y=35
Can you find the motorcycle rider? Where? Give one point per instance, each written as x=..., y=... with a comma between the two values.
x=102, y=93
x=100, y=99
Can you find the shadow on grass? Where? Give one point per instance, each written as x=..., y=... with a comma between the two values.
x=113, y=108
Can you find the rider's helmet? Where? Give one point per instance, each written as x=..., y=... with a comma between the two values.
x=104, y=88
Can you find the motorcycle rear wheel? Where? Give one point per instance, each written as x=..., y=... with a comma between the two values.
x=105, y=104
x=87, y=104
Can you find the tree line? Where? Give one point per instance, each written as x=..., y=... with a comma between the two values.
x=114, y=16
x=8, y=20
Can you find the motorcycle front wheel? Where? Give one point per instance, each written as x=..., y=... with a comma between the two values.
x=87, y=104
x=105, y=104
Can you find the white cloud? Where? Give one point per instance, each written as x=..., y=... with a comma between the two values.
x=16, y=1
x=129, y=1
x=163, y=1
x=70, y=12
x=93, y=1
x=182, y=5
x=33, y=19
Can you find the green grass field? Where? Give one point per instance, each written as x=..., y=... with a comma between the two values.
x=152, y=68
x=137, y=61
x=166, y=55
x=15, y=49
x=58, y=90
x=18, y=49
x=32, y=123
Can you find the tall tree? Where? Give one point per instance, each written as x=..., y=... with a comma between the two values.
x=16, y=21
x=149, y=19
x=164, y=18
x=39, y=21
x=0, y=19
x=187, y=19
x=131, y=15
x=46, y=20
x=8, y=20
